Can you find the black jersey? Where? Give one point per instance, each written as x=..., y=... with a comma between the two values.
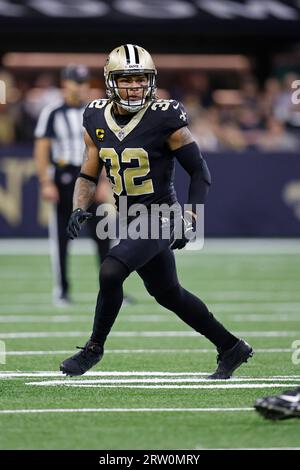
x=137, y=159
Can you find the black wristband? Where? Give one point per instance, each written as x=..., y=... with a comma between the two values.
x=88, y=177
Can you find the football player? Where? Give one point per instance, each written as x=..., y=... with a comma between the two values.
x=283, y=406
x=138, y=137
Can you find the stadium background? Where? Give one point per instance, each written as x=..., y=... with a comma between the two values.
x=232, y=64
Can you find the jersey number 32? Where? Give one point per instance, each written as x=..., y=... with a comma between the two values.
x=130, y=185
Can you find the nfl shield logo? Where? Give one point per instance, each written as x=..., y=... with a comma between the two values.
x=121, y=134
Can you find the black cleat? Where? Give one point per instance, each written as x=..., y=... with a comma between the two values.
x=286, y=405
x=231, y=359
x=82, y=361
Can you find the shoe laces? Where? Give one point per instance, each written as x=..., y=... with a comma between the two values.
x=86, y=355
x=87, y=350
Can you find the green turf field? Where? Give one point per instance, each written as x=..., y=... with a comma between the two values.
x=149, y=391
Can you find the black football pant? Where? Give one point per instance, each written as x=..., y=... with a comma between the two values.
x=65, y=178
x=154, y=261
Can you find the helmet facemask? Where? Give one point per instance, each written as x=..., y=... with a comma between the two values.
x=130, y=60
x=127, y=103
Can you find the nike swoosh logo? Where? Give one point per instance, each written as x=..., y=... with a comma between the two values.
x=175, y=107
x=290, y=398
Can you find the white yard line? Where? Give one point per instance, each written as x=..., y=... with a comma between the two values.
x=124, y=410
x=212, y=295
x=159, y=380
x=44, y=334
x=156, y=318
x=226, y=286
x=40, y=246
x=79, y=318
x=142, y=351
x=13, y=374
x=215, y=386
x=249, y=295
x=253, y=307
x=10, y=319
x=273, y=246
x=44, y=374
x=144, y=334
x=46, y=307
x=228, y=307
x=261, y=318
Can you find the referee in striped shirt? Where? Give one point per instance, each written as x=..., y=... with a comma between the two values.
x=58, y=154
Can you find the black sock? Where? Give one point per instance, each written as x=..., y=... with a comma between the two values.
x=110, y=298
x=195, y=313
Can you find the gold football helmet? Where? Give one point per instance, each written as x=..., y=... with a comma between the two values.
x=130, y=60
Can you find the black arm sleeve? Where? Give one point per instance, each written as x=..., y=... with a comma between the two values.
x=191, y=160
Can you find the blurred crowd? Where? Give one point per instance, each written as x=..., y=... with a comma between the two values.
x=248, y=115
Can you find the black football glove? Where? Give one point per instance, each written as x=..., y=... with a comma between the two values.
x=188, y=232
x=76, y=221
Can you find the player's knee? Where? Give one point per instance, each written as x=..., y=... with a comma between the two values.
x=112, y=273
x=167, y=295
